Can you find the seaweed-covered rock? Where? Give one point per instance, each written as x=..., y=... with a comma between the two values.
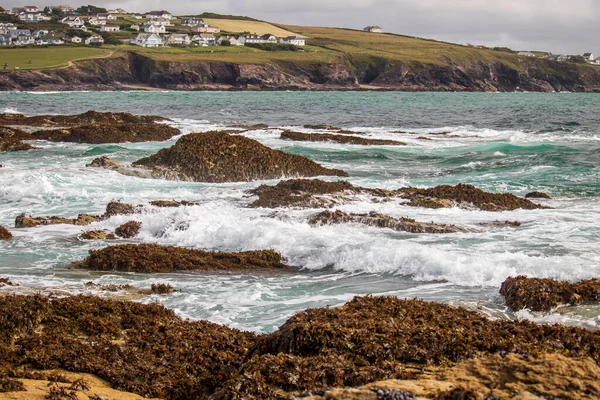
x=537, y=195
x=144, y=349
x=344, y=139
x=102, y=133
x=129, y=229
x=171, y=203
x=11, y=139
x=317, y=193
x=299, y=193
x=219, y=157
x=24, y=221
x=326, y=127
x=538, y=294
x=382, y=221
x=96, y=235
x=87, y=118
x=152, y=258
x=117, y=208
x=5, y=234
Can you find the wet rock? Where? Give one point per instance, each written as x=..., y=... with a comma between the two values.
x=380, y=338
x=345, y=139
x=24, y=221
x=101, y=133
x=162, y=288
x=96, y=235
x=5, y=234
x=171, y=203
x=322, y=127
x=139, y=348
x=316, y=193
x=217, y=157
x=117, y=208
x=382, y=221
x=538, y=294
x=502, y=224
x=299, y=193
x=11, y=139
x=87, y=118
x=254, y=127
x=537, y=195
x=129, y=229
x=112, y=165
x=151, y=258
x=7, y=282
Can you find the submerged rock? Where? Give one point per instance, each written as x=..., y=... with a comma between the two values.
x=317, y=193
x=87, y=118
x=102, y=133
x=107, y=163
x=538, y=294
x=345, y=139
x=129, y=229
x=537, y=195
x=5, y=234
x=382, y=221
x=218, y=157
x=326, y=127
x=23, y=221
x=151, y=258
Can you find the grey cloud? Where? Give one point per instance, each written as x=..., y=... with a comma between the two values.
x=553, y=25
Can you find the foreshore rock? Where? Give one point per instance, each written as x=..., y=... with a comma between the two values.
x=344, y=139
x=109, y=133
x=5, y=234
x=218, y=157
x=23, y=221
x=96, y=235
x=11, y=139
x=538, y=294
x=382, y=221
x=129, y=229
x=152, y=258
x=394, y=346
x=311, y=193
x=537, y=195
x=87, y=118
x=171, y=203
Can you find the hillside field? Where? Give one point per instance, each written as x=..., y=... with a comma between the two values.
x=48, y=57
x=258, y=27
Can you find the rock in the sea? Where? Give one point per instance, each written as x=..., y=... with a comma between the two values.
x=537, y=195
x=5, y=234
x=11, y=139
x=171, y=203
x=316, y=193
x=24, y=221
x=87, y=118
x=344, y=139
x=96, y=235
x=117, y=208
x=382, y=221
x=299, y=193
x=103, y=133
x=151, y=258
x=326, y=127
x=218, y=157
x=129, y=229
x=539, y=294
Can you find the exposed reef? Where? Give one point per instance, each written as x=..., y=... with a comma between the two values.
x=129, y=229
x=382, y=221
x=537, y=195
x=218, y=157
x=344, y=139
x=11, y=139
x=317, y=193
x=105, y=133
x=538, y=294
x=87, y=118
x=152, y=258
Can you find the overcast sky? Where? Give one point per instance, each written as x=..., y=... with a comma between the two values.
x=559, y=26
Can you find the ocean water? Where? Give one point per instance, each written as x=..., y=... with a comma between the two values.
x=516, y=142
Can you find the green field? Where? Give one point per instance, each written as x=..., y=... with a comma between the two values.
x=48, y=57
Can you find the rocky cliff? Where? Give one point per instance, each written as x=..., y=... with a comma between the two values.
x=135, y=70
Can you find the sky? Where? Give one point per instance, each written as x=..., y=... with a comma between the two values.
x=558, y=26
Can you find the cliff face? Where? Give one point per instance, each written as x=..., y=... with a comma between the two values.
x=134, y=70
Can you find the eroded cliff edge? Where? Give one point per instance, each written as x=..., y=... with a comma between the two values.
x=132, y=70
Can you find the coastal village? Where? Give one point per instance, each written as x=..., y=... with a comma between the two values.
x=94, y=26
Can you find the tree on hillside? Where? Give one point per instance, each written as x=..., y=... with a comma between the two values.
x=577, y=59
x=110, y=39
x=90, y=10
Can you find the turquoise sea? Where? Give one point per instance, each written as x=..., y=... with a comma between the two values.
x=514, y=142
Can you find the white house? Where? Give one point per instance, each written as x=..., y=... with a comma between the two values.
x=205, y=29
x=48, y=40
x=31, y=9
x=526, y=54
x=589, y=57
x=33, y=17
x=268, y=38
x=137, y=16
x=94, y=39
x=6, y=27
x=135, y=27
x=23, y=40
x=295, y=40
x=73, y=22
x=148, y=40
x=177, y=39
x=155, y=29
x=204, y=39
x=235, y=41
x=373, y=29
x=252, y=38
x=106, y=17
x=18, y=32
x=109, y=28
x=194, y=21
x=5, y=40
x=73, y=39
x=97, y=22
x=160, y=14
x=40, y=33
